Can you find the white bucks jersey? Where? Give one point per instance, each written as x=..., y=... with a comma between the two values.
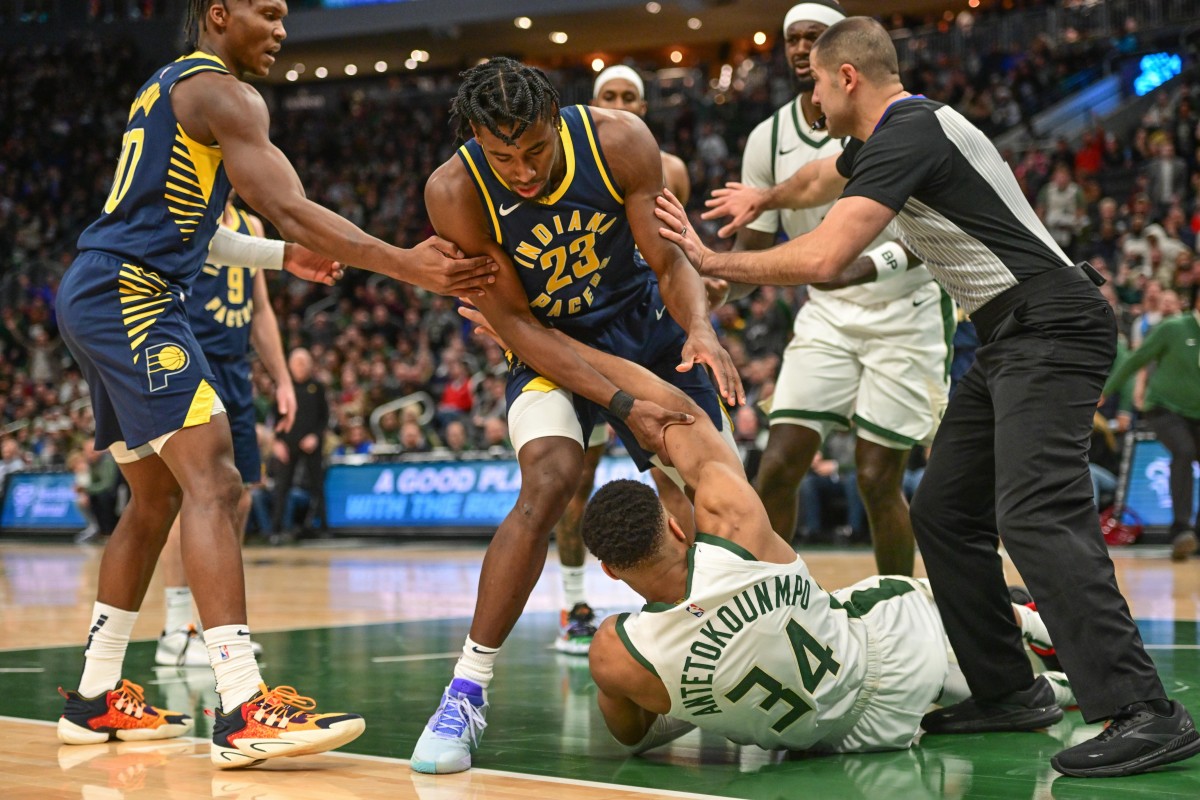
x=757, y=652
x=777, y=148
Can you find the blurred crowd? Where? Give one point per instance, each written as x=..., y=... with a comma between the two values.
x=402, y=372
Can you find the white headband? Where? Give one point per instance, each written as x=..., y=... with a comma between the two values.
x=812, y=12
x=624, y=73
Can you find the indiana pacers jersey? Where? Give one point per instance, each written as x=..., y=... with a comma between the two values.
x=169, y=190
x=757, y=652
x=573, y=249
x=221, y=303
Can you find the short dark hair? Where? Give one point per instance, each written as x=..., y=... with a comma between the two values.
x=623, y=524
x=501, y=94
x=863, y=43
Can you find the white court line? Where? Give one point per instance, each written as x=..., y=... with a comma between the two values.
x=549, y=779
x=1172, y=646
x=423, y=657
x=22, y=669
x=496, y=772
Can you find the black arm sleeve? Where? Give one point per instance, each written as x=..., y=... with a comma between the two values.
x=909, y=152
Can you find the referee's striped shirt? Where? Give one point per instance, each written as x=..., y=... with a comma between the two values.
x=958, y=205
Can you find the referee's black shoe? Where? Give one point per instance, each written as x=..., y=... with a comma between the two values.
x=1027, y=710
x=1142, y=736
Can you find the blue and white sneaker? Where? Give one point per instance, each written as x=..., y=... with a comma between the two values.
x=453, y=731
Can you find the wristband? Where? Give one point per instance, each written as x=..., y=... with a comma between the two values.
x=230, y=249
x=620, y=405
x=889, y=259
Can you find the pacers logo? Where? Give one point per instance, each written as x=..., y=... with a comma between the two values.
x=162, y=361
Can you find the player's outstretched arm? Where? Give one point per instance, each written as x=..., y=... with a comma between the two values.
x=636, y=164
x=726, y=504
x=816, y=257
x=219, y=108
x=815, y=184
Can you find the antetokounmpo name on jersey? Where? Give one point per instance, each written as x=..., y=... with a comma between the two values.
x=696, y=680
x=572, y=261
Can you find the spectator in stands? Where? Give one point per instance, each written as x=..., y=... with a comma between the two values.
x=1061, y=206
x=412, y=438
x=1166, y=175
x=458, y=440
x=357, y=441
x=11, y=458
x=299, y=450
x=101, y=489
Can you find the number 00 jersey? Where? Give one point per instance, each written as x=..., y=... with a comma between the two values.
x=757, y=652
x=169, y=190
x=221, y=304
x=573, y=250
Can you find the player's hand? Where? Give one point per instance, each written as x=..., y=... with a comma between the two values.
x=648, y=422
x=471, y=314
x=717, y=292
x=285, y=403
x=309, y=443
x=677, y=230
x=304, y=263
x=743, y=203
x=702, y=347
x=439, y=266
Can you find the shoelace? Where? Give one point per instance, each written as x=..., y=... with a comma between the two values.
x=458, y=714
x=131, y=698
x=283, y=703
x=1115, y=726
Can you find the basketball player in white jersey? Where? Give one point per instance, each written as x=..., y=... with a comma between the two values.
x=874, y=355
x=736, y=636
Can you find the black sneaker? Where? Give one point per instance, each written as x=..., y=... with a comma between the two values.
x=1136, y=740
x=1183, y=544
x=1026, y=710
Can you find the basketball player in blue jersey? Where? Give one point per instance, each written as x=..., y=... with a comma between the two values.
x=194, y=129
x=229, y=309
x=617, y=87
x=559, y=198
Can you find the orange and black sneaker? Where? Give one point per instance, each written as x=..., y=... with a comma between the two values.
x=275, y=723
x=119, y=713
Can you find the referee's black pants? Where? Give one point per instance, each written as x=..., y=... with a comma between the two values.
x=1011, y=456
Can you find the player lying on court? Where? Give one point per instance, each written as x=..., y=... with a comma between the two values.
x=737, y=637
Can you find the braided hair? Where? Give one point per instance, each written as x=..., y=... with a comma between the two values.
x=197, y=10
x=504, y=96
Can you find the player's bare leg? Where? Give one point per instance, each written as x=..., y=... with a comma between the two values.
x=181, y=643
x=789, y=454
x=880, y=475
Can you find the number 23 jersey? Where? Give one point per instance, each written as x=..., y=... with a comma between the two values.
x=757, y=652
x=573, y=249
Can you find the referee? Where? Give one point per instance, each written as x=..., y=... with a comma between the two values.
x=1011, y=453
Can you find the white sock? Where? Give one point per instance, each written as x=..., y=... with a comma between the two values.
x=105, y=653
x=572, y=582
x=233, y=662
x=476, y=663
x=179, y=607
x=1033, y=630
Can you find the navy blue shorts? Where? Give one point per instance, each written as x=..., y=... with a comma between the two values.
x=128, y=330
x=237, y=393
x=648, y=336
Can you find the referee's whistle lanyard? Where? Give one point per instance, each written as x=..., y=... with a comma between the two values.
x=892, y=105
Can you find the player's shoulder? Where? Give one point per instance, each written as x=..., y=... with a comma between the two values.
x=449, y=180
x=608, y=657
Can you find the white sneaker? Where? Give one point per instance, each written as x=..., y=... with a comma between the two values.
x=184, y=647
x=453, y=731
x=1064, y=695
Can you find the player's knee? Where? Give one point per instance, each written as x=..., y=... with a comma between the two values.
x=777, y=472
x=879, y=483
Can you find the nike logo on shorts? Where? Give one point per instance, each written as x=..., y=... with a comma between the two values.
x=919, y=300
x=504, y=212
x=658, y=314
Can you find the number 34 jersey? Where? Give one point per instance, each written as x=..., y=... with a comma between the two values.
x=169, y=190
x=757, y=652
x=573, y=249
